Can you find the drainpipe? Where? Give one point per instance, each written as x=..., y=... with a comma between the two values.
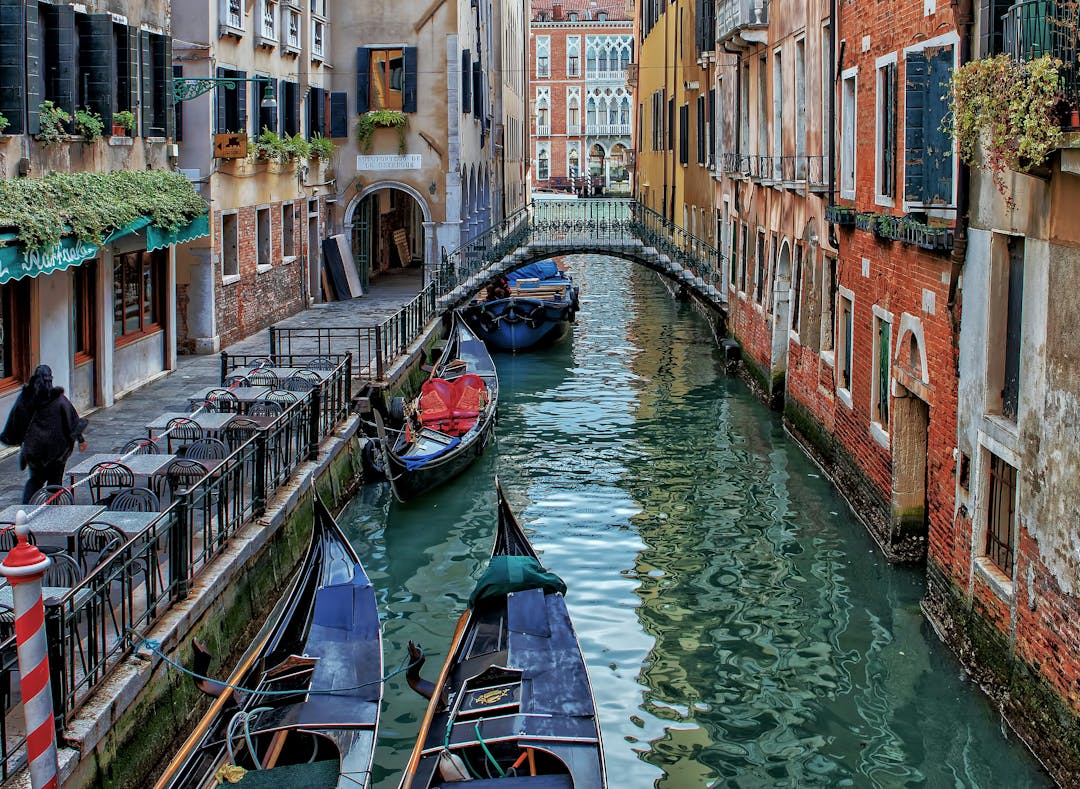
x=834, y=241
x=965, y=25
x=666, y=116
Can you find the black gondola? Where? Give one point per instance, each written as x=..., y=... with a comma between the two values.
x=449, y=424
x=325, y=645
x=513, y=701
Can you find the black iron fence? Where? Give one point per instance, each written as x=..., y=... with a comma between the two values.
x=475, y=255
x=1034, y=28
x=694, y=254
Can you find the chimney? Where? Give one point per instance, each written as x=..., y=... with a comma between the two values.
x=556, y=12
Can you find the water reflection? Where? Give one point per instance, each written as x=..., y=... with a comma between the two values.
x=739, y=627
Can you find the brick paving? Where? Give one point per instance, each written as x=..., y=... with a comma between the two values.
x=110, y=428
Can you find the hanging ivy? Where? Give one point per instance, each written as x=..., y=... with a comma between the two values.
x=367, y=123
x=92, y=205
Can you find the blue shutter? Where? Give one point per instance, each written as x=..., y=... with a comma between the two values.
x=241, y=103
x=466, y=81
x=363, y=79
x=33, y=66
x=339, y=114
x=63, y=69
x=915, y=94
x=939, y=162
x=178, y=109
x=478, y=90
x=13, y=64
x=412, y=73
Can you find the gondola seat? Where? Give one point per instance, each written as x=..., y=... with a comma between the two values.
x=452, y=407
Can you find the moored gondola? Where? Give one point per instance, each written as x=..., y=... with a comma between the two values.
x=448, y=425
x=317, y=675
x=513, y=703
x=531, y=307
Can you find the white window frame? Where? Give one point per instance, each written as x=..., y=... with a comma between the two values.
x=543, y=148
x=800, y=102
x=318, y=52
x=849, y=133
x=290, y=209
x=841, y=339
x=573, y=47
x=234, y=276
x=778, y=113
x=879, y=131
x=573, y=147
x=826, y=87
x=983, y=564
x=260, y=265
x=268, y=36
x=543, y=50
x=229, y=23
x=880, y=432
x=291, y=42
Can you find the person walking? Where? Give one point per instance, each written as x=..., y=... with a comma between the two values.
x=47, y=426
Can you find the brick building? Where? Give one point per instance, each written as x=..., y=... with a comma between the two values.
x=583, y=109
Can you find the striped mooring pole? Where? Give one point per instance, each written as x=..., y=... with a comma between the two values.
x=24, y=568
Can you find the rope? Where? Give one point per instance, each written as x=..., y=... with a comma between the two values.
x=154, y=646
x=487, y=753
x=243, y=716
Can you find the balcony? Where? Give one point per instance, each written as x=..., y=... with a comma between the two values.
x=607, y=129
x=593, y=75
x=1034, y=28
x=573, y=130
x=742, y=23
x=543, y=131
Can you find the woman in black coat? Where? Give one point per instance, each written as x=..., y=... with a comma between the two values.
x=47, y=425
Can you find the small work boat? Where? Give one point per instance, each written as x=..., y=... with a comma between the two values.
x=531, y=307
x=513, y=704
x=321, y=662
x=445, y=428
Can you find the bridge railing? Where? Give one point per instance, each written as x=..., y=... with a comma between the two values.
x=694, y=254
x=475, y=255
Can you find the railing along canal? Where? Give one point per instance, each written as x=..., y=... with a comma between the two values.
x=96, y=624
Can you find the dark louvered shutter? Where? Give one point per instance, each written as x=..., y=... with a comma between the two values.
x=267, y=117
x=409, y=95
x=712, y=127
x=168, y=96
x=146, y=84
x=241, y=103
x=478, y=90
x=684, y=134
x=986, y=30
x=64, y=69
x=13, y=64
x=316, y=112
x=33, y=66
x=339, y=114
x=466, y=81
x=939, y=163
x=363, y=79
x=888, y=131
x=133, y=70
x=97, y=53
x=671, y=124
x=915, y=94
x=178, y=109
x=221, y=98
x=700, y=125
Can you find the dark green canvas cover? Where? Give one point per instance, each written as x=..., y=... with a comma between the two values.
x=505, y=574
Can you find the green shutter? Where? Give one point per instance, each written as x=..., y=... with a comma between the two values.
x=167, y=97
x=466, y=81
x=146, y=84
x=33, y=66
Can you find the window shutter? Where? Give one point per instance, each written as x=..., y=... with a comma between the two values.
x=986, y=28
x=466, y=81
x=33, y=66
x=167, y=95
x=712, y=128
x=938, y=164
x=65, y=69
x=221, y=98
x=241, y=103
x=478, y=90
x=146, y=105
x=915, y=95
x=684, y=134
x=363, y=79
x=296, y=108
x=320, y=113
x=671, y=124
x=409, y=95
x=13, y=64
x=178, y=109
x=339, y=114
x=97, y=54
x=133, y=69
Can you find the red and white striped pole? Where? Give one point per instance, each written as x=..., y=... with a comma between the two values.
x=24, y=568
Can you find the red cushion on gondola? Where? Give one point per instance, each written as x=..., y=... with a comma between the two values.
x=436, y=404
x=452, y=407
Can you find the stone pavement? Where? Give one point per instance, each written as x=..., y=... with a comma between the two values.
x=110, y=428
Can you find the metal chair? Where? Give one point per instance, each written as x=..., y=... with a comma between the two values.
x=264, y=378
x=322, y=363
x=239, y=431
x=264, y=408
x=282, y=396
x=182, y=429
x=222, y=401
x=107, y=478
x=237, y=379
x=262, y=361
x=135, y=500
x=98, y=540
x=296, y=384
x=308, y=374
x=53, y=494
x=182, y=473
x=141, y=446
x=8, y=538
x=63, y=571
x=207, y=449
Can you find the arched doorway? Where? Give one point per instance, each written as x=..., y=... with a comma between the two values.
x=781, y=317
x=388, y=224
x=618, y=172
x=597, y=159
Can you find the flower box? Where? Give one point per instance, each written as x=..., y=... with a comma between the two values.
x=865, y=220
x=843, y=215
x=927, y=236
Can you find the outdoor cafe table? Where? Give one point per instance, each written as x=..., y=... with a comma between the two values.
x=212, y=422
x=281, y=372
x=140, y=465
x=54, y=523
x=245, y=394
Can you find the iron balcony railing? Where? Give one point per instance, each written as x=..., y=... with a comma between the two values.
x=812, y=171
x=1034, y=28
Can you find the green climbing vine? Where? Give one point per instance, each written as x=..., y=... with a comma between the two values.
x=92, y=205
x=367, y=123
x=51, y=123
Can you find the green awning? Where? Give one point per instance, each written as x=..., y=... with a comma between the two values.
x=17, y=262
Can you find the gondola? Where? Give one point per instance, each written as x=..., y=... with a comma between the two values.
x=325, y=644
x=445, y=428
x=533, y=307
x=513, y=704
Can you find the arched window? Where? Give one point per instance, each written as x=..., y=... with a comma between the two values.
x=573, y=112
x=590, y=112
x=573, y=162
x=602, y=60
x=613, y=111
x=624, y=58
x=543, y=165
x=624, y=111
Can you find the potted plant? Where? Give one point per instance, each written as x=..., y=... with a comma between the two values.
x=843, y=215
x=367, y=123
x=322, y=148
x=268, y=146
x=296, y=147
x=864, y=220
x=4, y=122
x=123, y=123
x=89, y=124
x=51, y=122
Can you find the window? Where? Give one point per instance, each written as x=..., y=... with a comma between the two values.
x=543, y=112
x=268, y=18
x=848, y=126
x=543, y=56
x=702, y=137
x=778, y=115
x=318, y=39
x=234, y=15
x=828, y=89
x=1000, y=514
x=138, y=282
x=316, y=112
x=543, y=164
x=263, y=238
x=290, y=108
x=885, y=173
x=156, y=101
x=879, y=392
x=82, y=310
x=762, y=110
x=733, y=257
x=759, y=274
x=230, y=238
x=14, y=335
x=573, y=56
x=387, y=79
x=288, y=230
x=844, y=352
x=231, y=103
x=828, y=302
x=573, y=111
x=684, y=134
x=573, y=161
x=658, y=120
x=670, y=129
x=743, y=143
x=268, y=118
x=928, y=159
x=800, y=109
x=742, y=260
x=992, y=26
x=1005, y=336
x=796, y=287
x=292, y=30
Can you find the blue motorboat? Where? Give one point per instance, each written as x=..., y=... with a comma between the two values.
x=530, y=307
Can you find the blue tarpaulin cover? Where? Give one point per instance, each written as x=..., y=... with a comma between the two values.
x=542, y=269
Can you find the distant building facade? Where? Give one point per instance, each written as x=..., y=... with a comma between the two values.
x=583, y=107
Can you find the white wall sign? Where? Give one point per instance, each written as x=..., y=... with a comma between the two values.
x=408, y=161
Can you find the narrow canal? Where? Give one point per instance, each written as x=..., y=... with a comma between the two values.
x=739, y=625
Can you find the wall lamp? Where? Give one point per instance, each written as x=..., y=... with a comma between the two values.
x=187, y=88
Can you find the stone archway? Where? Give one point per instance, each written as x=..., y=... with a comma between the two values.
x=374, y=216
x=910, y=423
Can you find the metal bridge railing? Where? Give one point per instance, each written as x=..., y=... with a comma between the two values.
x=694, y=254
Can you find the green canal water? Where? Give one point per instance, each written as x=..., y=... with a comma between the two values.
x=739, y=625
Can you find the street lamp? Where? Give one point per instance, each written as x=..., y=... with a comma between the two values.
x=187, y=88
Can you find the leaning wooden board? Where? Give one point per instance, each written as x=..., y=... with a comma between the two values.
x=342, y=270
